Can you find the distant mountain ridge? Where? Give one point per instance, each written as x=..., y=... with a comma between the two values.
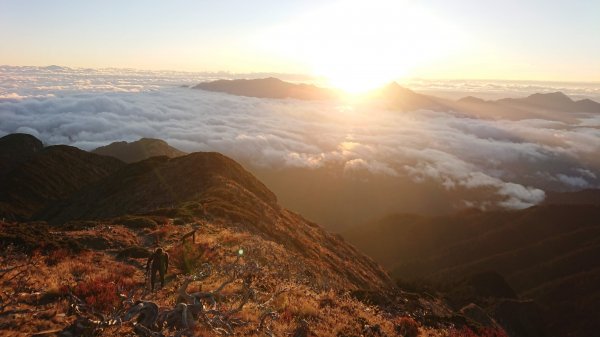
x=396, y=97
x=141, y=149
x=554, y=101
x=268, y=88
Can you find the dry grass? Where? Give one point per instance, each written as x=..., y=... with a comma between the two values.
x=282, y=287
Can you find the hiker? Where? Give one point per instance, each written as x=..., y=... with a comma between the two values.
x=157, y=262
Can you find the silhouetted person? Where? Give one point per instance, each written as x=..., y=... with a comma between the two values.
x=158, y=262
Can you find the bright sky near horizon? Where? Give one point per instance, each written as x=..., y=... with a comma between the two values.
x=354, y=44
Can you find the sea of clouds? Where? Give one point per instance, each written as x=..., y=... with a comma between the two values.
x=517, y=159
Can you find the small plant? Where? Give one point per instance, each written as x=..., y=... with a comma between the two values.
x=102, y=292
x=189, y=257
x=79, y=269
x=56, y=256
x=305, y=309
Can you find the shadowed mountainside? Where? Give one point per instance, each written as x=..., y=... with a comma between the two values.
x=17, y=148
x=548, y=253
x=161, y=182
x=45, y=175
x=141, y=149
x=583, y=197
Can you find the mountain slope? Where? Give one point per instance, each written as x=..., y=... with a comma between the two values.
x=583, y=197
x=216, y=188
x=141, y=149
x=543, y=252
x=93, y=261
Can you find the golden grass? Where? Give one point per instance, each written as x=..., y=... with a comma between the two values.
x=280, y=287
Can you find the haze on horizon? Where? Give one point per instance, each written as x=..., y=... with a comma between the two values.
x=354, y=45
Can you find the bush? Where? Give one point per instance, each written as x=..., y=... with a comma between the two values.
x=56, y=256
x=102, y=293
x=188, y=257
x=407, y=327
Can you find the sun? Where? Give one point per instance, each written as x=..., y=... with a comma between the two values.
x=361, y=45
x=359, y=80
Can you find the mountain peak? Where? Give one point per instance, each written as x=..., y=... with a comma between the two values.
x=471, y=99
x=555, y=97
x=553, y=101
x=139, y=150
x=21, y=141
x=270, y=87
x=17, y=148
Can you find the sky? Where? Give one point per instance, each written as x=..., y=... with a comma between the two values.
x=353, y=44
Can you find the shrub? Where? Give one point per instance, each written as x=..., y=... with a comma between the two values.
x=80, y=269
x=407, y=327
x=102, y=292
x=56, y=256
x=305, y=309
x=188, y=257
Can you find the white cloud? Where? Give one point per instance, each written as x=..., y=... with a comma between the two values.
x=514, y=159
x=577, y=182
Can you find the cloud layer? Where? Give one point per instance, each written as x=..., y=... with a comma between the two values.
x=514, y=159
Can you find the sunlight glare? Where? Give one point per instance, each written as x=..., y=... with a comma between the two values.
x=360, y=45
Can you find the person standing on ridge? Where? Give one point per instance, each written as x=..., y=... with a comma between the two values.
x=157, y=262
